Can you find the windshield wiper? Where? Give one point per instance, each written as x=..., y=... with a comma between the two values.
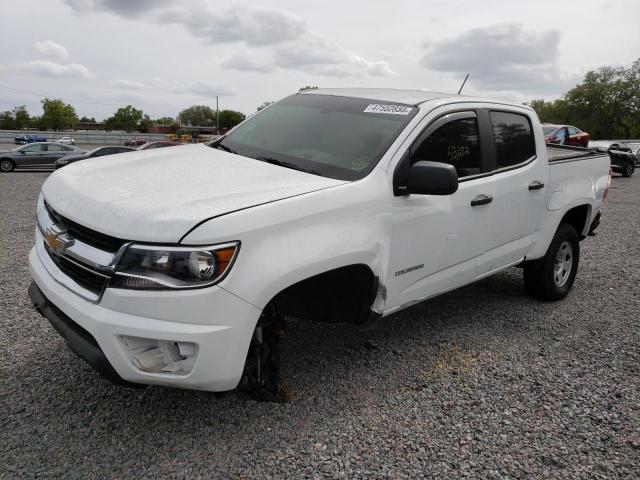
x=223, y=147
x=282, y=163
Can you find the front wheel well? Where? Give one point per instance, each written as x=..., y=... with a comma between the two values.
x=577, y=217
x=341, y=295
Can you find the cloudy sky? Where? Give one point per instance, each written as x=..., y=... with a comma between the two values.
x=164, y=55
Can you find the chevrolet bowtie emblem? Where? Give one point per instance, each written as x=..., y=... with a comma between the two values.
x=57, y=240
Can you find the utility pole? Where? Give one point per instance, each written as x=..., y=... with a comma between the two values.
x=217, y=117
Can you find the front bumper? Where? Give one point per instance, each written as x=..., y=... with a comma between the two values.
x=219, y=323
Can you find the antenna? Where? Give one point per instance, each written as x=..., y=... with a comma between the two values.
x=462, y=86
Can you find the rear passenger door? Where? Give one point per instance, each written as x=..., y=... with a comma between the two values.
x=54, y=152
x=520, y=184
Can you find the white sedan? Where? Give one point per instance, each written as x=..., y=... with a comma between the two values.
x=66, y=140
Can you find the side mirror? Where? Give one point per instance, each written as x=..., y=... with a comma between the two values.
x=432, y=178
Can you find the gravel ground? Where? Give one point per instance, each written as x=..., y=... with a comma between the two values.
x=482, y=382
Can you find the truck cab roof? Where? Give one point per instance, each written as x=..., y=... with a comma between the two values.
x=405, y=96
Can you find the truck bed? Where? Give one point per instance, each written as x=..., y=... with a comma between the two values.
x=559, y=153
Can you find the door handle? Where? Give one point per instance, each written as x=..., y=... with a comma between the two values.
x=481, y=199
x=536, y=185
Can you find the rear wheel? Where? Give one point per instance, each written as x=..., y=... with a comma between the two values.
x=628, y=170
x=552, y=276
x=6, y=165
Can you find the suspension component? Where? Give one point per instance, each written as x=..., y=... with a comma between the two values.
x=261, y=378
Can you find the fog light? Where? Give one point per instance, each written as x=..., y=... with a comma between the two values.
x=160, y=356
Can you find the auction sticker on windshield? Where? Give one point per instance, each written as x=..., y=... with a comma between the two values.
x=390, y=109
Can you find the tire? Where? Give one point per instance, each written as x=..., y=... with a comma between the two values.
x=6, y=165
x=628, y=171
x=552, y=276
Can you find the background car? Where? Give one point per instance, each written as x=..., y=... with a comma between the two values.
x=24, y=139
x=96, y=152
x=623, y=161
x=635, y=149
x=66, y=140
x=158, y=144
x=573, y=135
x=135, y=142
x=40, y=155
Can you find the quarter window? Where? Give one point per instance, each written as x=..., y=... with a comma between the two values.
x=513, y=137
x=455, y=143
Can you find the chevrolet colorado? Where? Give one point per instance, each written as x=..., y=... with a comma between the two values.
x=179, y=267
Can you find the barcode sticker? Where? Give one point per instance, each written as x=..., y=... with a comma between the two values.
x=389, y=109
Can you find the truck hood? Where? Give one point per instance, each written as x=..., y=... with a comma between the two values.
x=159, y=195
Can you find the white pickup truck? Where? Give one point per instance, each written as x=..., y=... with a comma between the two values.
x=179, y=266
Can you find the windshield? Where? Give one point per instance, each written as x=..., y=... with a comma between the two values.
x=548, y=130
x=337, y=137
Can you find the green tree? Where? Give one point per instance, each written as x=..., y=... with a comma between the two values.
x=57, y=115
x=7, y=120
x=36, y=122
x=21, y=117
x=197, y=115
x=264, y=105
x=17, y=119
x=307, y=87
x=606, y=104
x=126, y=118
x=145, y=124
x=164, y=121
x=230, y=118
x=88, y=120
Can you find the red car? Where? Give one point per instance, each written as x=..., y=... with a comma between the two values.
x=135, y=142
x=565, y=135
x=158, y=144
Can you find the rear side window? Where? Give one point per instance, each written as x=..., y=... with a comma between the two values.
x=55, y=148
x=514, y=138
x=455, y=143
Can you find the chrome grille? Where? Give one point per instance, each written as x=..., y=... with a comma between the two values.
x=84, y=234
x=83, y=258
x=84, y=276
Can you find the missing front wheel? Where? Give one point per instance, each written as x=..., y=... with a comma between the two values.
x=261, y=377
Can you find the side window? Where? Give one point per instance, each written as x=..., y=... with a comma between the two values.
x=33, y=148
x=455, y=143
x=101, y=152
x=55, y=148
x=573, y=131
x=513, y=137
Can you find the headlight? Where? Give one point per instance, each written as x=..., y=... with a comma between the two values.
x=147, y=267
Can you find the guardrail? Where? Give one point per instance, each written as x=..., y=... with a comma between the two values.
x=88, y=138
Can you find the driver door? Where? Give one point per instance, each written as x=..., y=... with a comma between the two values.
x=438, y=241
